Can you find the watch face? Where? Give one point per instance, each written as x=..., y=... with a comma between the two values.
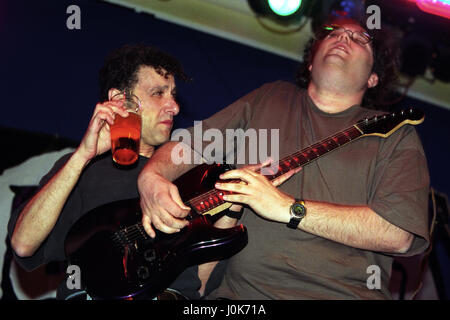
x=298, y=210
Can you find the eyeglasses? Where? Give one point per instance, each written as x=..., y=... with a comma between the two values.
x=335, y=31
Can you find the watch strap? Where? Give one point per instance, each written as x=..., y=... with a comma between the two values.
x=234, y=214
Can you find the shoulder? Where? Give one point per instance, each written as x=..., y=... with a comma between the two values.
x=280, y=85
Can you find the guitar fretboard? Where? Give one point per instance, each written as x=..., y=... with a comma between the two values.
x=313, y=152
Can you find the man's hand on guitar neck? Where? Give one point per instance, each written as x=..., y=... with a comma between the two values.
x=258, y=192
x=162, y=206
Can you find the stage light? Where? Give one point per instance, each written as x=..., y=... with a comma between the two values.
x=436, y=7
x=282, y=11
x=284, y=7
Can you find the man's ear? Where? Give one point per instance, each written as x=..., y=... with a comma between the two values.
x=373, y=80
x=112, y=92
x=310, y=67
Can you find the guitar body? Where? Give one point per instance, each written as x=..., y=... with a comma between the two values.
x=119, y=260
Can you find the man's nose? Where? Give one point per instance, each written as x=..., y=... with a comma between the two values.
x=345, y=36
x=171, y=106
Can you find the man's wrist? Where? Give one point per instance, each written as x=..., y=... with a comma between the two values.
x=284, y=210
x=78, y=161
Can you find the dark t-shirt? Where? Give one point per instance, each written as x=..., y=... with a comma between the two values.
x=100, y=183
x=389, y=176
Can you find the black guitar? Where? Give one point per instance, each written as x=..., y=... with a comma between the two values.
x=119, y=260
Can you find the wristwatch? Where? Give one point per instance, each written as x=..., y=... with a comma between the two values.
x=298, y=212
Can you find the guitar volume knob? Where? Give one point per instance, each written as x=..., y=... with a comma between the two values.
x=143, y=272
x=149, y=255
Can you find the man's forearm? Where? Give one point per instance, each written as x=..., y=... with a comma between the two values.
x=162, y=163
x=40, y=214
x=356, y=226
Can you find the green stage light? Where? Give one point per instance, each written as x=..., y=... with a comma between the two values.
x=284, y=7
x=285, y=12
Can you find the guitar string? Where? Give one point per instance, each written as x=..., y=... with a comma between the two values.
x=132, y=232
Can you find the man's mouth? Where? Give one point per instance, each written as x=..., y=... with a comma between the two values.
x=340, y=47
x=167, y=122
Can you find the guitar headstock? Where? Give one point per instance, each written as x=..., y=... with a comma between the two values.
x=387, y=123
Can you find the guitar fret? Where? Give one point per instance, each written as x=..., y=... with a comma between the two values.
x=324, y=145
x=311, y=154
x=303, y=159
x=283, y=167
x=332, y=143
x=321, y=149
x=296, y=160
x=293, y=162
x=208, y=201
x=354, y=133
x=343, y=139
x=336, y=140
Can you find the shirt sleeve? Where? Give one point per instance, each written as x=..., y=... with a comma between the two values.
x=401, y=186
x=39, y=257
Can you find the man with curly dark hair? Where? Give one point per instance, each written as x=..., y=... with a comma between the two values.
x=122, y=65
x=87, y=178
x=324, y=232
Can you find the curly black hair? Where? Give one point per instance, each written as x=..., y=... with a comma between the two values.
x=121, y=67
x=386, y=54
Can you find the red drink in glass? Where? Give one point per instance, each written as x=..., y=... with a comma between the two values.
x=125, y=137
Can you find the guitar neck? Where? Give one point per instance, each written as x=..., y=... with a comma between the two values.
x=305, y=156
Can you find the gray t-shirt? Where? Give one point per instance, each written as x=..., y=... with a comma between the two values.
x=388, y=175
